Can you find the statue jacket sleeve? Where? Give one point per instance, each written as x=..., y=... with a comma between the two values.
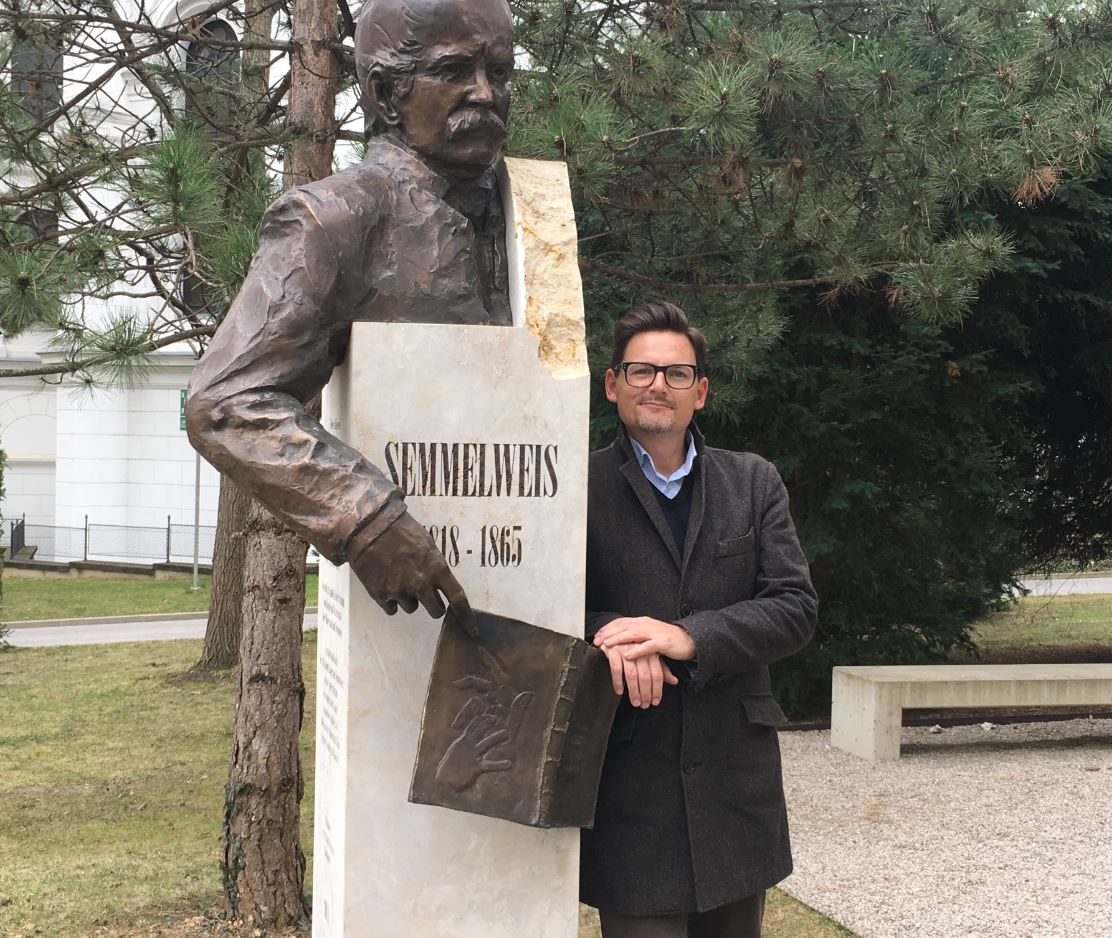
x=378, y=241
x=274, y=352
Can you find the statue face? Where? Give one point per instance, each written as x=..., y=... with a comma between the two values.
x=454, y=111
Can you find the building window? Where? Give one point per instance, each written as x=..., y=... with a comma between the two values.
x=209, y=56
x=40, y=223
x=36, y=69
x=212, y=68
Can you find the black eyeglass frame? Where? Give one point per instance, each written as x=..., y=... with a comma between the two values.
x=657, y=369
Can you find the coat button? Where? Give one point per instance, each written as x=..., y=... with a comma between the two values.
x=689, y=768
x=686, y=610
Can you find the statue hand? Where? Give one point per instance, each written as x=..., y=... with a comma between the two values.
x=402, y=568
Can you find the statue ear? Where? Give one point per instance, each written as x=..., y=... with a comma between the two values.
x=380, y=95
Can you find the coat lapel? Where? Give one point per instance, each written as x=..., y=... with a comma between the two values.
x=644, y=491
x=631, y=469
x=698, y=502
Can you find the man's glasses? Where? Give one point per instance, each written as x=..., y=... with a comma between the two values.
x=643, y=374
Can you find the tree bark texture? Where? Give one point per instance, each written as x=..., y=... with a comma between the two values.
x=263, y=866
x=314, y=73
x=254, y=84
x=221, y=648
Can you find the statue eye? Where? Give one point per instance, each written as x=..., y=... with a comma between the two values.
x=499, y=73
x=454, y=71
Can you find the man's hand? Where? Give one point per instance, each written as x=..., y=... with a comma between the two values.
x=644, y=636
x=645, y=677
x=402, y=567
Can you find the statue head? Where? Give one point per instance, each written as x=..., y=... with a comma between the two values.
x=438, y=71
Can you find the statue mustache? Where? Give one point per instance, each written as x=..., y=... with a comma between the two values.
x=468, y=121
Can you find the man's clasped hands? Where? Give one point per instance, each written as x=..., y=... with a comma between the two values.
x=636, y=649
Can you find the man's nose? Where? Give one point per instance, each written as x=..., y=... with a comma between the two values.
x=480, y=92
x=659, y=376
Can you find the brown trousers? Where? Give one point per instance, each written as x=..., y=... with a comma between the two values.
x=741, y=919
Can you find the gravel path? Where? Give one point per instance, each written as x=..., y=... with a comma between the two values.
x=974, y=833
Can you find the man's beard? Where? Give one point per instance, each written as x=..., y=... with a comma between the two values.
x=656, y=423
x=475, y=119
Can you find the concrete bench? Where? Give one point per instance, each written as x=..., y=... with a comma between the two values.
x=867, y=703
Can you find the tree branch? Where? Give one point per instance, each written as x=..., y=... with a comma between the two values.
x=594, y=267
x=71, y=367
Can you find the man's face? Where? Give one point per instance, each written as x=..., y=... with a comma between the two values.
x=455, y=112
x=657, y=409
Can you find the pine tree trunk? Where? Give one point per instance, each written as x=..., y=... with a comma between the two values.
x=221, y=648
x=263, y=865
x=314, y=73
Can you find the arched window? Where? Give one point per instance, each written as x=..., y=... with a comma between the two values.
x=212, y=73
x=212, y=70
x=210, y=54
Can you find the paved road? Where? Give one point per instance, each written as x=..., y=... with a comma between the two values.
x=140, y=630
x=1067, y=586
x=130, y=630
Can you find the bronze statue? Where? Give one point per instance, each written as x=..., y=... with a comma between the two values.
x=515, y=724
x=413, y=233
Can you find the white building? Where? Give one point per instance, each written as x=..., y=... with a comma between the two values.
x=105, y=457
x=116, y=457
x=79, y=458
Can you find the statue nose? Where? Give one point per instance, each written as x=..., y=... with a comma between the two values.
x=479, y=92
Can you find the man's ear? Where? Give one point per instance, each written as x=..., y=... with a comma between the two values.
x=380, y=96
x=702, y=387
x=610, y=384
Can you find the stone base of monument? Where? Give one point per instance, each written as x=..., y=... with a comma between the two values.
x=485, y=431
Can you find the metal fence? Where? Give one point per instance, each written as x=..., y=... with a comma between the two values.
x=172, y=543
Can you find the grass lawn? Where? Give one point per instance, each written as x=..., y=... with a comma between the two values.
x=1048, y=620
x=63, y=597
x=113, y=764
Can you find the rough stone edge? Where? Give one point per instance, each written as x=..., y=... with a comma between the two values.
x=544, y=228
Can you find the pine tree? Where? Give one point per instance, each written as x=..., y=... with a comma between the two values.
x=818, y=184
x=1048, y=319
x=726, y=154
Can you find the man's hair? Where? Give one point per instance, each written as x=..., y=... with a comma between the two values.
x=375, y=47
x=657, y=317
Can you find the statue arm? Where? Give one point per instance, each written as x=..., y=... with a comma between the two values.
x=246, y=410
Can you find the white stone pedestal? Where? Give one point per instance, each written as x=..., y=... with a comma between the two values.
x=485, y=430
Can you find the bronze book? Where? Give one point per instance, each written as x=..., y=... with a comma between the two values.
x=515, y=724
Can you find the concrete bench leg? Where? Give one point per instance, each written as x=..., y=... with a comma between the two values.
x=865, y=718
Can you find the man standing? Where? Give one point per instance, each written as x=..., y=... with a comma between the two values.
x=695, y=583
x=413, y=233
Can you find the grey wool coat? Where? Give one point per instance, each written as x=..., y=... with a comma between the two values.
x=690, y=812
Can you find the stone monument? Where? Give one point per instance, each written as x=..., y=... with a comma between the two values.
x=485, y=432
x=439, y=291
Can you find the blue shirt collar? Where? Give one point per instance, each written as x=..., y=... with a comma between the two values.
x=668, y=486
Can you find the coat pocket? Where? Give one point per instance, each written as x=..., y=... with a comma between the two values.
x=763, y=710
x=733, y=546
